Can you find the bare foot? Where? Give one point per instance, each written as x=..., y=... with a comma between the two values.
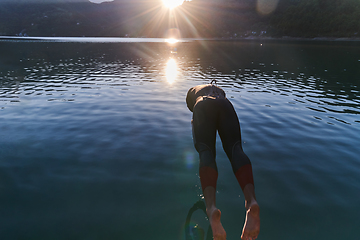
x=214, y=215
x=252, y=222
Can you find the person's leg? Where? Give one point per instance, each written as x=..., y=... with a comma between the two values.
x=204, y=134
x=251, y=227
x=213, y=213
x=229, y=131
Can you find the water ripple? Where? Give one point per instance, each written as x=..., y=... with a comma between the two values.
x=97, y=126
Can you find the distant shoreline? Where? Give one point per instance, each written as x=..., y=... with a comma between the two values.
x=286, y=38
x=134, y=39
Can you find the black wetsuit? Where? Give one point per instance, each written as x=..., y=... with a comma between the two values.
x=212, y=112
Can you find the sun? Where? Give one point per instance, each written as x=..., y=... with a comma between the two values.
x=172, y=3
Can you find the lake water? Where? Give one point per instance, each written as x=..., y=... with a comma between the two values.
x=95, y=137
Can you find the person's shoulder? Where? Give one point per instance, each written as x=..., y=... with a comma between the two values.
x=196, y=88
x=202, y=86
x=220, y=91
x=191, y=90
x=218, y=87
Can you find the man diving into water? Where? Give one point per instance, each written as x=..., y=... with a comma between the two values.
x=212, y=112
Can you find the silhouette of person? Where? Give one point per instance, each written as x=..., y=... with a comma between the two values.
x=213, y=112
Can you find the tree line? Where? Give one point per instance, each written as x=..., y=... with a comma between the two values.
x=197, y=18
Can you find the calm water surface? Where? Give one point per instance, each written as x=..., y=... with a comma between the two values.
x=95, y=138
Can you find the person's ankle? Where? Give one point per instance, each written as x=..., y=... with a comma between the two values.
x=210, y=210
x=250, y=203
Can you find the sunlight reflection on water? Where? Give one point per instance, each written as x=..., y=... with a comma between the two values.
x=171, y=70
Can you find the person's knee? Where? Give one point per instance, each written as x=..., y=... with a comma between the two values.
x=238, y=157
x=207, y=156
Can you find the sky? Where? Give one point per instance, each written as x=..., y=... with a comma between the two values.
x=94, y=1
x=100, y=1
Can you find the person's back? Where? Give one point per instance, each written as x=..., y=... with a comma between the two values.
x=197, y=93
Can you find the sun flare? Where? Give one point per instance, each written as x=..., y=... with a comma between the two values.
x=171, y=40
x=172, y=3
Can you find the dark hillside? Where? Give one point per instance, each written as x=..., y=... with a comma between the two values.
x=198, y=18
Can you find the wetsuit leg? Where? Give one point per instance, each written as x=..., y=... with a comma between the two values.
x=229, y=131
x=204, y=135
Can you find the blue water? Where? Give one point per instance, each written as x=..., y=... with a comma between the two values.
x=95, y=137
